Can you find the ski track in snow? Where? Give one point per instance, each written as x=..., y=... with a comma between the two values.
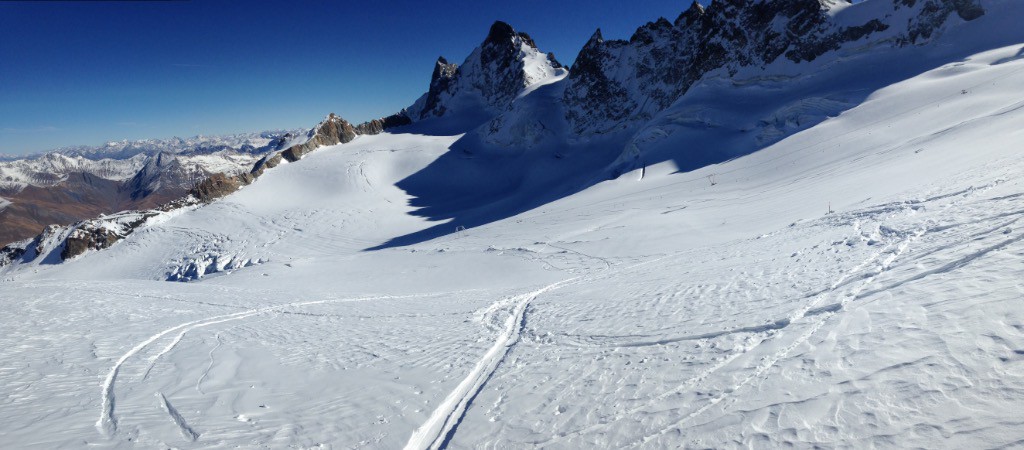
x=810, y=311
x=439, y=429
x=694, y=381
x=107, y=423
x=199, y=382
x=822, y=314
x=178, y=420
x=769, y=362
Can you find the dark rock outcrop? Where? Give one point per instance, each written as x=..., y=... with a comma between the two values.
x=934, y=14
x=10, y=253
x=95, y=235
x=332, y=131
x=267, y=162
x=378, y=126
x=219, y=185
x=440, y=80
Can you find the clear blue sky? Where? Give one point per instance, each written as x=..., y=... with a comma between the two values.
x=89, y=72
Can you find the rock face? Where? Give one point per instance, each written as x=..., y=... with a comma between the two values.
x=440, y=80
x=934, y=14
x=616, y=83
x=11, y=253
x=98, y=234
x=268, y=162
x=332, y=131
x=219, y=185
x=494, y=74
x=378, y=126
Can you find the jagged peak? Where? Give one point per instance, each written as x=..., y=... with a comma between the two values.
x=595, y=38
x=489, y=79
x=691, y=15
x=501, y=33
x=644, y=33
x=443, y=70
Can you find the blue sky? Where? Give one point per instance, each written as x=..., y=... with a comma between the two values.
x=89, y=72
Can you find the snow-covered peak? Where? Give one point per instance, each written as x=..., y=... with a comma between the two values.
x=490, y=79
x=616, y=84
x=125, y=148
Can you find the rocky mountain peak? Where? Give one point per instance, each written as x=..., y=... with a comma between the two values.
x=614, y=82
x=691, y=15
x=502, y=33
x=442, y=70
x=488, y=81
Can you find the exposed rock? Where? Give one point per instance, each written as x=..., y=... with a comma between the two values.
x=489, y=79
x=934, y=14
x=48, y=235
x=617, y=83
x=98, y=234
x=332, y=131
x=439, y=83
x=267, y=162
x=378, y=126
x=219, y=185
x=10, y=253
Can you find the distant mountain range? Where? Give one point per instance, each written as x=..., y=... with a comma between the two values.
x=75, y=183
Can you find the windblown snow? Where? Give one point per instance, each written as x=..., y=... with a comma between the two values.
x=856, y=283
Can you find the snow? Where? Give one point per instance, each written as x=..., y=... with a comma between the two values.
x=664, y=312
x=121, y=160
x=53, y=168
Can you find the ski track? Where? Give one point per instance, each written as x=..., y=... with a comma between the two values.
x=178, y=420
x=822, y=314
x=439, y=429
x=769, y=362
x=107, y=423
x=694, y=381
x=199, y=382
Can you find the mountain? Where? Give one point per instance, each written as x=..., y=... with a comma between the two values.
x=506, y=65
x=785, y=251
x=76, y=183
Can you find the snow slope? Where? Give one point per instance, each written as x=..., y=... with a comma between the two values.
x=857, y=283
